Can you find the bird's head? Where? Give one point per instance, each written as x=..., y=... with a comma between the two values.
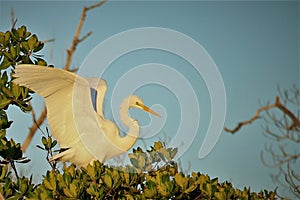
x=137, y=102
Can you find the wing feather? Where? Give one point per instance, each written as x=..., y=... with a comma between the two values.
x=71, y=115
x=57, y=87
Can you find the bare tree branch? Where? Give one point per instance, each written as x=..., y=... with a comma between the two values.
x=252, y=119
x=284, y=128
x=296, y=121
x=279, y=105
x=76, y=39
x=49, y=40
x=12, y=16
x=36, y=124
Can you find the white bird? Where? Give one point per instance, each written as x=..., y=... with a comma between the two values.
x=78, y=127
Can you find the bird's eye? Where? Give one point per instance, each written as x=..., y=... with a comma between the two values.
x=137, y=103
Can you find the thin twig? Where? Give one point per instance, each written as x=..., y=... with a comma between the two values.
x=76, y=39
x=12, y=163
x=36, y=124
x=49, y=40
x=296, y=121
x=12, y=16
x=279, y=105
x=255, y=117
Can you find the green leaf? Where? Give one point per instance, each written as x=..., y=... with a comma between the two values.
x=192, y=187
x=126, y=177
x=53, y=144
x=162, y=189
x=7, y=92
x=220, y=195
x=181, y=180
x=13, y=51
x=2, y=39
x=18, y=49
x=4, y=170
x=172, y=152
x=41, y=62
x=4, y=103
x=91, y=171
x=13, y=152
x=208, y=189
x=25, y=46
x=23, y=185
x=48, y=185
x=38, y=146
x=27, y=34
x=7, y=37
x=150, y=190
x=24, y=92
x=22, y=31
x=23, y=161
x=134, y=162
x=8, y=56
x=17, y=197
x=4, y=123
x=5, y=63
x=49, y=143
x=4, y=77
x=16, y=90
x=158, y=146
x=50, y=181
x=15, y=34
x=44, y=141
x=71, y=191
x=39, y=47
x=92, y=190
x=107, y=180
x=141, y=161
x=32, y=42
x=70, y=170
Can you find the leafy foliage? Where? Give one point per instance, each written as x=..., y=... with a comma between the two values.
x=100, y=181
x=152, y=174
x=16, y=46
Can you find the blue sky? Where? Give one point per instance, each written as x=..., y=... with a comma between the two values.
x=255, y=46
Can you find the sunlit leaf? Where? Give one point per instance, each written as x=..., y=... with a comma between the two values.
x=44, y=140
x=39, y=47
x=25, y=46
x=4, y=103
x=32, y=42
x=5, y=63
x=107, y=180
x=157, y=146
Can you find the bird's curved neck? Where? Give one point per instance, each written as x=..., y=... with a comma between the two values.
x=133, y=127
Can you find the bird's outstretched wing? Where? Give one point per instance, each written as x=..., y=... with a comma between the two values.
x=57, y=86
x=71, y=115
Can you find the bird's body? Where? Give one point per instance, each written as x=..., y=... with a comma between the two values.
x=79, y=128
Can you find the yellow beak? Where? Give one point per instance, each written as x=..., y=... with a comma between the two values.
x=145, y=108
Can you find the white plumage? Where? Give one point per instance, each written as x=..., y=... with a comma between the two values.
x=74, y=122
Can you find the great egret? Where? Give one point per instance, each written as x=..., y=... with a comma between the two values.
x=83, y=132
